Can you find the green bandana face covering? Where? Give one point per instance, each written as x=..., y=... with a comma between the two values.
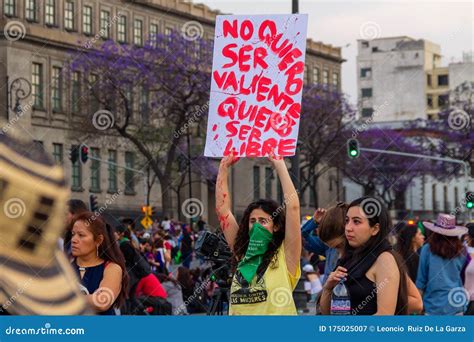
x=260, y=237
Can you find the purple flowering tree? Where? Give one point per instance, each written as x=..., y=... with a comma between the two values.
x=152, y=96
x=325, y=116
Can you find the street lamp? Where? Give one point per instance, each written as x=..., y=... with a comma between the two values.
x=19, y=89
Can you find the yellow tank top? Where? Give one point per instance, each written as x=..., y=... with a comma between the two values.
x=270, y=294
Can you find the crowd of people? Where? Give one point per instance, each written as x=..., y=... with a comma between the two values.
x=349, y=258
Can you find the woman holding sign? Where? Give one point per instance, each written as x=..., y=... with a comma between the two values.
x=266, y=247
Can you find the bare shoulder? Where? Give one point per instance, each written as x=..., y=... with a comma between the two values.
x=386, y=260
x=113, y=268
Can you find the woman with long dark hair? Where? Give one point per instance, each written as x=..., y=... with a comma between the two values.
x=442, y=260
x=373, y=274
x=266, y=246
x=99, y=263
x=409, y=241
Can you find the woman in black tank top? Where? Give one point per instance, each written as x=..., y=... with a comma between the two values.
x=372, y=272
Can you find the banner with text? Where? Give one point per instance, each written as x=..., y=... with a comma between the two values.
x=256, y=87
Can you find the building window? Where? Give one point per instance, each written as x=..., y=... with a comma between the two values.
x=433, y=198
x=168, y=31
x=56, y=89
x=306, y=74
x=366, y=72
x=30, y=10
x=93, y=100
x=95, y=170
x=256, y=182
x=428, y=80
x=365, y=44
x=69, y=15
x=429, y=101
x=443, y=101
x=456, y=196
x=268, y=182
x=443, y=80
x=138, y=32
x=367, y=112
x=335, y=80
x=153, y=31
x=316, y=75
x=76, y=174
x=325, y=77
x=366, y=92
x=144, y=103
x=375, y=49
x=104, y=24
x=129, y=181
x=75, y=91
x=112, y=179
x=122, y=29
x=9, y=8
x=129, y=97
x=58, y=153
x=279, y=193
x=50, y=12
x=37, y=85
x=87, y=20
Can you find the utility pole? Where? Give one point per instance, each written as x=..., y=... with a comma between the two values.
x=295, y=160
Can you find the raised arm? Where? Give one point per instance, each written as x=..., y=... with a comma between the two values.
x=227, y=220
x=292, y=205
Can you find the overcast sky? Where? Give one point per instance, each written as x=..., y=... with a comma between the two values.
x=447, y=23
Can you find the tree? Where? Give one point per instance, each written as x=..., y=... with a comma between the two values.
x=324, y=118
x=150, y=96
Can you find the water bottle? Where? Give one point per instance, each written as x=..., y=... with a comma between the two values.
x=340, y=300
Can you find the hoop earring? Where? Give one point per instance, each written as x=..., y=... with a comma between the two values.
x=97, y=250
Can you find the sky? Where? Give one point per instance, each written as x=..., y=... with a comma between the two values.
x=449, y=24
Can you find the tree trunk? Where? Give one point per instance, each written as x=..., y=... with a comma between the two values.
x=166, y=196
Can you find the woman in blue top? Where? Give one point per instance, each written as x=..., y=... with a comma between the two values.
x=99, y=263
x=441, y=262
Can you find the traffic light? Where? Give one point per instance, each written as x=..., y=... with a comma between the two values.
x=152, y=211
x=93, y=204
x=411, y=222
x=84, y=150
x=353, y=148
x=146, y=210
x=74, y=154
x=469, y=199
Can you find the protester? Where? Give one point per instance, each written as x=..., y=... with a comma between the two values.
x=312, y=284
x=469, y=270
x=332, y=231
x=74, y=207
x=368, y=267
x=35, y=277
x=409, y=241
x=186, y=246
x=186, y=281
x=266, y=246
x=166, y=224
x=442, y=259
x=174, y=294
x=99, y=263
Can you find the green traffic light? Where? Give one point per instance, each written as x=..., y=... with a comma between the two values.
x=470, y=205
x=353, y=153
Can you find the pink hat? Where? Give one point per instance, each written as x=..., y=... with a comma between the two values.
x=446, y=225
